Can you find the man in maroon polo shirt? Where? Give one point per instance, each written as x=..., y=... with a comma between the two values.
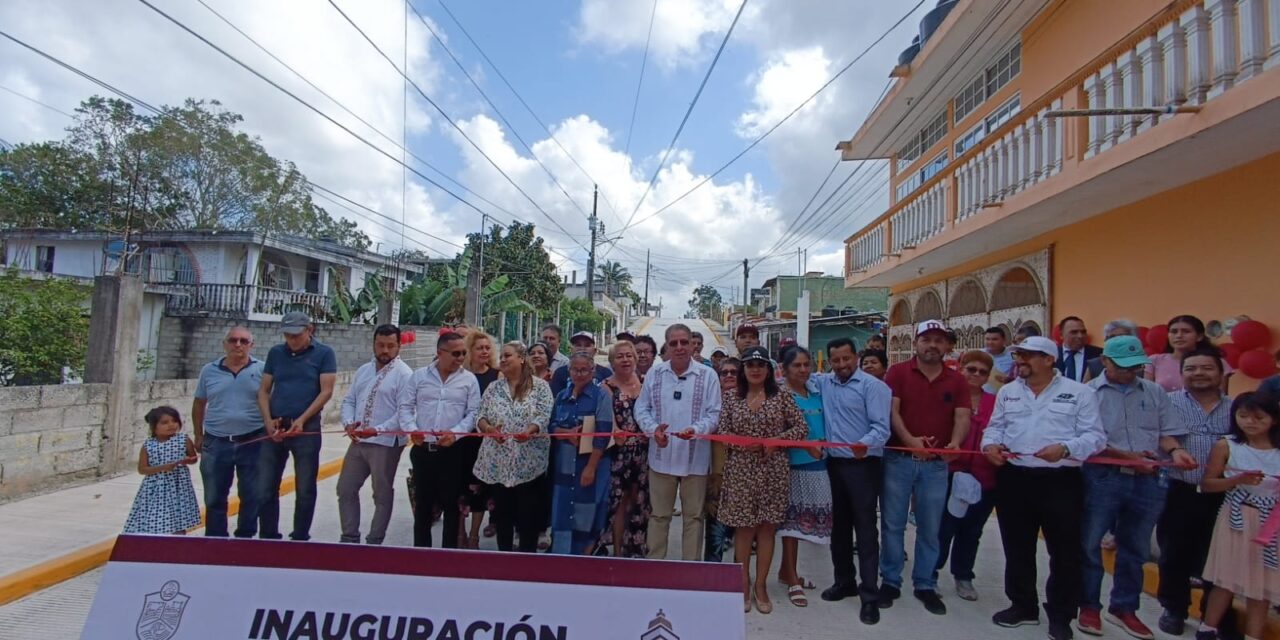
x=930, y=411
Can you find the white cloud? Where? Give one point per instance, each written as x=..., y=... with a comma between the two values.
x=682, y=29
x=781, y=85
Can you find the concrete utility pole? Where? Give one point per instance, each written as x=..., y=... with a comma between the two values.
x=646, y=282
x=746, y=291
x=591, y=256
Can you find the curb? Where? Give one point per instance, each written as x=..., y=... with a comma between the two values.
x=48, y=573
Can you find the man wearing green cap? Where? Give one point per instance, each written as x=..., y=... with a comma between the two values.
x=1141, y=426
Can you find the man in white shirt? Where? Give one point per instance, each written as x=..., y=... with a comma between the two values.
x=679, y=397
x=440, y=397
x=551, y=335
x=1042, y=429
x=369, y=409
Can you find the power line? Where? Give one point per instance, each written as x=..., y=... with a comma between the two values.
x=644, y=61
x=785, y=118
x=683, y=121
x=444, y=115
x=497, y=70
x=30, y=99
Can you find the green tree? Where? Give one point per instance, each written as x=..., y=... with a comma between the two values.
x=706, y=302
x=44, y=326
x=520, y=255
x=576, y=315
x=437, y=300
x=617, y=280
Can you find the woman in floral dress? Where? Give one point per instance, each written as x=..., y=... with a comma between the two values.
x=757, y=479
x=629, y=492
x=512, y=468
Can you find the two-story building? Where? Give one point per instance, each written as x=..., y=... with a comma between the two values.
x=1077, y=157
x=778, y=296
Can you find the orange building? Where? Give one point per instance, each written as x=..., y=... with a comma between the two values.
x=1003, y=212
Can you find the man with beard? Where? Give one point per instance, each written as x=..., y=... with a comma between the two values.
x=1044, y=426
x=930, y=410
x=369, y=409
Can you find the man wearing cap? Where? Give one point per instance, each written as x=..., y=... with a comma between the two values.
x=746, y=337
x=441, y=397
x=1042, y=428
x=931, y=410
x=717, y=357
x=582, y=341
x=297, y=381
x=370, y=408
x=1141, y=426
x=855, y=408
x=551, y=335
x=681, y=398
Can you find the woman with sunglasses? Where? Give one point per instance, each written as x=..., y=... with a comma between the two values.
x=958, y=536
x=719, y=537
x=757, y=479
x=809, y=508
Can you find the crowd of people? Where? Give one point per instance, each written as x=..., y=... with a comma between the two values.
x=1086, y=447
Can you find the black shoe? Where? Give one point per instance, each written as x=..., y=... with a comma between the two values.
x=1172, y=624
x=836, y=593
x=1206, y=635
x=888, y=593
x=870, y=613
x=1060, y=631
x=1015, y=617
x=932, y=601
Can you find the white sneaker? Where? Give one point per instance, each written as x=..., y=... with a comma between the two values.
x=964, y=589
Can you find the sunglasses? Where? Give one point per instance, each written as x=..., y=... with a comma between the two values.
x=456, y=354
x=979, y=371
x=727, y=373
x=239, y=341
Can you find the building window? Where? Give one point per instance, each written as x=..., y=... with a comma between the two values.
x=44, y=259
x=923, y=140
x=992, y=79
x=993, y=121
x=913, y=182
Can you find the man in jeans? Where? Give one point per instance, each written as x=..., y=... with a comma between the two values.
x=682, y=398
x=931, y=410
x=297, y=381
x=226, y=420
x=370, y=408
x=1140, y=422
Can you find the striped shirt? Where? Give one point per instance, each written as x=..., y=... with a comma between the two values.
x=1204, y=429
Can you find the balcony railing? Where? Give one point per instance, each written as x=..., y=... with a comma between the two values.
x=241, y=300
x=1178, y=59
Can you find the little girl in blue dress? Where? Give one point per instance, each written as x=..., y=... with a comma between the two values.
x=166, y=501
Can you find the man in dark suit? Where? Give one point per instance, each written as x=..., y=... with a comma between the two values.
x=1075, y=353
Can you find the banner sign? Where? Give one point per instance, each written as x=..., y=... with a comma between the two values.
x=176, y=588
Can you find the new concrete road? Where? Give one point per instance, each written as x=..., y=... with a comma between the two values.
x=713, y=335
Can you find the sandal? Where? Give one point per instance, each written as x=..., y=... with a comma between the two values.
x=805, y=583
x=796, y=594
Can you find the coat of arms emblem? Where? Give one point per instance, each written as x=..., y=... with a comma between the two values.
x=162, y=612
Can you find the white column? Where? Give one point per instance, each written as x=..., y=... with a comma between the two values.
x=1253, y=39
x=1196, y=24
x=962, y=190
x=1037, y=147
x=1114, y=79
x=1055, y=134
x=1173, y=46
x=1273, y=33
x=1133, y=90
x=1151, y=60
x=1094, y=90
x=1226, y=36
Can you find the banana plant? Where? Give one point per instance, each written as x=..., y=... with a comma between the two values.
x=345, y=307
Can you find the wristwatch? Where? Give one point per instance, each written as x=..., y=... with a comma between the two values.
x=1066, y=451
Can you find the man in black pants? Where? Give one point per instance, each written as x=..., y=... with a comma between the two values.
x=1043, y=426
x=440, y=397
x=856, y=408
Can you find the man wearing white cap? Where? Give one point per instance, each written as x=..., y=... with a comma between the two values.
x=931, y=410
x=583, y=341
x=1042, y=428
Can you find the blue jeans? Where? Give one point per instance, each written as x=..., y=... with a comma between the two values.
x=927, y=481
x=221, y=459
x=1129, y=506
x=305, y=450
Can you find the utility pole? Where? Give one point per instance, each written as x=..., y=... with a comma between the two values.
x=484, y=220
x=646, y=282
x=591, y=257
x=746, y=291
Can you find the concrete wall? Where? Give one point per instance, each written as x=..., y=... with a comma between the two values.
x=187, y=344
x=52, y=436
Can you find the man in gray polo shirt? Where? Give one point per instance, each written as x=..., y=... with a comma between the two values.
x=297, y=381
x=226, y=419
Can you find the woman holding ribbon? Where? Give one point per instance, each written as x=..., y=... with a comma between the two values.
x=482, y=360
x=757, y=478
x=580, y=474
x=629, y=477
x=511, y=460
x=809, y=508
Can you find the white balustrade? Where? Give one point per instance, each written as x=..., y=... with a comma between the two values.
x=868, y=249
x=921, y=219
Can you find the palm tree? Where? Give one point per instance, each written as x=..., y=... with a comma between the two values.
x=616, y=277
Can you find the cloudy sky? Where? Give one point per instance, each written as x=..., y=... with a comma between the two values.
x=575, y=63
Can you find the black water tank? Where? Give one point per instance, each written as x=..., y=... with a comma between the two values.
x=830, y=311
x=848, y=311
x=932, y=20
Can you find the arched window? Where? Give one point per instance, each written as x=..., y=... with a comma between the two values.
x=967, y=299
x=901, y=313
x=928, y=307
x=1016, y=288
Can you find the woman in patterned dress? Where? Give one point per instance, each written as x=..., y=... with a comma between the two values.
x=512, y=468
x=482, y=360
x=757, y=479
x=809, y=508
x=166, y=501
x=629, y=493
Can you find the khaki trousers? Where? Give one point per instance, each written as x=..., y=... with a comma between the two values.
x=662, y=497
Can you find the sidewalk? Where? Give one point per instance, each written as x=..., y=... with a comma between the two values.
x=51, y=537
